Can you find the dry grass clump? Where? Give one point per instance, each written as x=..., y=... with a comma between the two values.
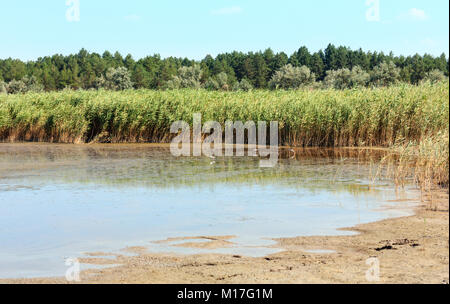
x=425, y=161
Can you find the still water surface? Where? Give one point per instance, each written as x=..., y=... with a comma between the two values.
x=60, y=201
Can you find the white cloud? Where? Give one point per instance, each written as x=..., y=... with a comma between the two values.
x=227, y=11
x=416, y=14
x=132, y=18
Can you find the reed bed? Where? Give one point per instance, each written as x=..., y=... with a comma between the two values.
x=322, y=118
x=426, y=162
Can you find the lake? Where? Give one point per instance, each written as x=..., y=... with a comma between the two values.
x=60, y=201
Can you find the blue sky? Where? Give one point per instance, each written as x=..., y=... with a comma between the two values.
x=195, y=28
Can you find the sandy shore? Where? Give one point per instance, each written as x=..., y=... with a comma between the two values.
x=412, y=249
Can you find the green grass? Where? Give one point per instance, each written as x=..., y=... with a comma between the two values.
x=359, y=117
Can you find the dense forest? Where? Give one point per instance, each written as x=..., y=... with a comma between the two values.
x=254, y=69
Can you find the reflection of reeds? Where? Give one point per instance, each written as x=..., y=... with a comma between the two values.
x=152, y=166
x=325, y=118
x=426, y=161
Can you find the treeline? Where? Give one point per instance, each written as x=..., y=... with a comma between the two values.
x=333, y=66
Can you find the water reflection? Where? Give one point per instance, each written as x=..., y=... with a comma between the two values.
x=153, y=166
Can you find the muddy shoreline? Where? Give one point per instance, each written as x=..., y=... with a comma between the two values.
x=413, y=249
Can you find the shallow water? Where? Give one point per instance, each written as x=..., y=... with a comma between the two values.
x=60, y=201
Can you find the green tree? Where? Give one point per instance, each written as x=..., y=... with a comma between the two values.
x=418, y=69
x=345, y=78
x=317, y=66
x=331, y=58
x=434, y=76
x=385, y=74
x=3, y=89
x=290, y=77
x=188, y=77
x=32, y=84
x=115, y=79
x=16, y=87
x=304, y=57
x=243, y=85
x=167, y=71
x=222, y=81
x=140, y=77
x=269, y=57
x=279, y=61
x=212, y=84
x=261, y=71
x=441, y=64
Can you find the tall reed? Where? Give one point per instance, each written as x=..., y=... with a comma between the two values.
x=327, y=118
x=426, y=162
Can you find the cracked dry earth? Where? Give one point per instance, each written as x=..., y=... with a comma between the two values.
x=411, y=249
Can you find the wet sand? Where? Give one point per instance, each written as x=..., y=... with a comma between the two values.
x=412, y=249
